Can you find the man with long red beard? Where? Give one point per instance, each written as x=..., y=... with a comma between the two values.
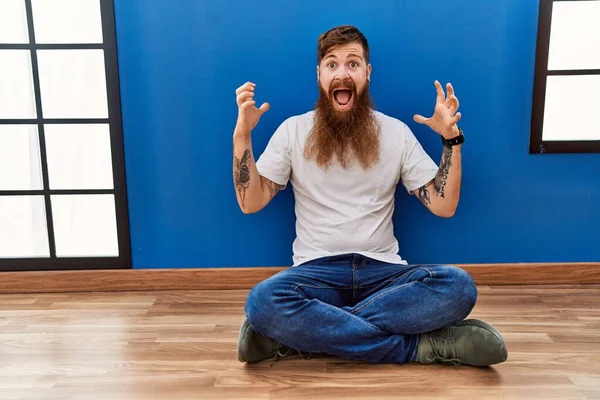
x=349, y=293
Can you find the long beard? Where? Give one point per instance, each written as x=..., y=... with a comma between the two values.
x=351, y=135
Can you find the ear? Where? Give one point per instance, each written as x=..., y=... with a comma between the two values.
x=369, y=69
x=318, y=73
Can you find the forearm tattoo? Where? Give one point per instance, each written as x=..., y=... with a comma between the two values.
x=272, y=186
x=439, y=182
x=442, y=175
x=423, y=194
x=242, y=174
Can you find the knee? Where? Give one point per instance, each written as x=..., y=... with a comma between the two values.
x=258, y=304
x=464, y=291
x=266, y=304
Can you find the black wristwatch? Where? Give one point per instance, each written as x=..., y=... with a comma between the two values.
x=455, y=140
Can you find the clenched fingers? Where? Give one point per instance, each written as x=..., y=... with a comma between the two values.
x=246, y=86
x=244, y=96
x=247, y=104
x=456, y=118
x=452, y=103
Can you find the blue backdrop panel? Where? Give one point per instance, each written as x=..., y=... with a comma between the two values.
x=181, y=61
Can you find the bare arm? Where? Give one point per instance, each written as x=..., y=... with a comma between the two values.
x=441, y=194
x=253, y=191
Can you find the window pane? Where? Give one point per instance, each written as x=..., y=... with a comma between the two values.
x=20, y=167
x=23, y=230
x=13, y=22
x=73, y=83
x=79, y=156
x=16, y=85
x=67, y=21
x=575, y=35
x=571, y=110
x=85, y=225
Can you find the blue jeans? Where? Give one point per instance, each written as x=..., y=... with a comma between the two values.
x=357, y=308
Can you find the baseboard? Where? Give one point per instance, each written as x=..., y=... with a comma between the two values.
x=246, y=278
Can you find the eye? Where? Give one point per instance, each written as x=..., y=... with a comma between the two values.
x=330, y=64
x=353, y=64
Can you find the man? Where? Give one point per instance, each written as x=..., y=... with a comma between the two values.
x=348, y=292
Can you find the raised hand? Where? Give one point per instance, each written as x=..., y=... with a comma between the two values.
x=445, y=117
x=248, y=114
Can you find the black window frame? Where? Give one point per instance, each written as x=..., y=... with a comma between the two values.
x=109, y=45
x=536, y=144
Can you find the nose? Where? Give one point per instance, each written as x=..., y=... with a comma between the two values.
x=342, y=73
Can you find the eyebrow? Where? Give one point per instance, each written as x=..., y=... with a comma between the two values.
x=349, y=56
x=355, y=55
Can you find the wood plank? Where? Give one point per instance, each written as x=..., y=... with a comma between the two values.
x=246, y=278
x=181, y=344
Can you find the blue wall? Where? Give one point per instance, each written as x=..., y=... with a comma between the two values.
x=181, y=61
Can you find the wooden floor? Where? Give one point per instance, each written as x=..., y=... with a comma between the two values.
x=182, y=345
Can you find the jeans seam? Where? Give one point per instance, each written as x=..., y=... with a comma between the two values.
x=317, y=287
x=386, y=291
x=431, y=275
x=353, y=283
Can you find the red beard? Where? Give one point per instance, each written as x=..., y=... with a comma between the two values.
x=351, y=135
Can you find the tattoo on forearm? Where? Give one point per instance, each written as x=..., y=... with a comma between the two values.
x=242, y=174
x=439, y=182
x=273, y=187
x=423, y=193
x=442, y=175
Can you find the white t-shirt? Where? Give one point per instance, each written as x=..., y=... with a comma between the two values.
x=350, y=210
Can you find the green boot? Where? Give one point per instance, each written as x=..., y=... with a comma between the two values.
x=253, y=347
x=469, y=342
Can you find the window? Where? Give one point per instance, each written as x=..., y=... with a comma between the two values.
x=63, y=198
x=566, y=99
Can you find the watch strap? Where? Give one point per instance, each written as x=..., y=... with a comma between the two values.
x=455, y=140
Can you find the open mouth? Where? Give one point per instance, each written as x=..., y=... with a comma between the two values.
x=342, y=98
